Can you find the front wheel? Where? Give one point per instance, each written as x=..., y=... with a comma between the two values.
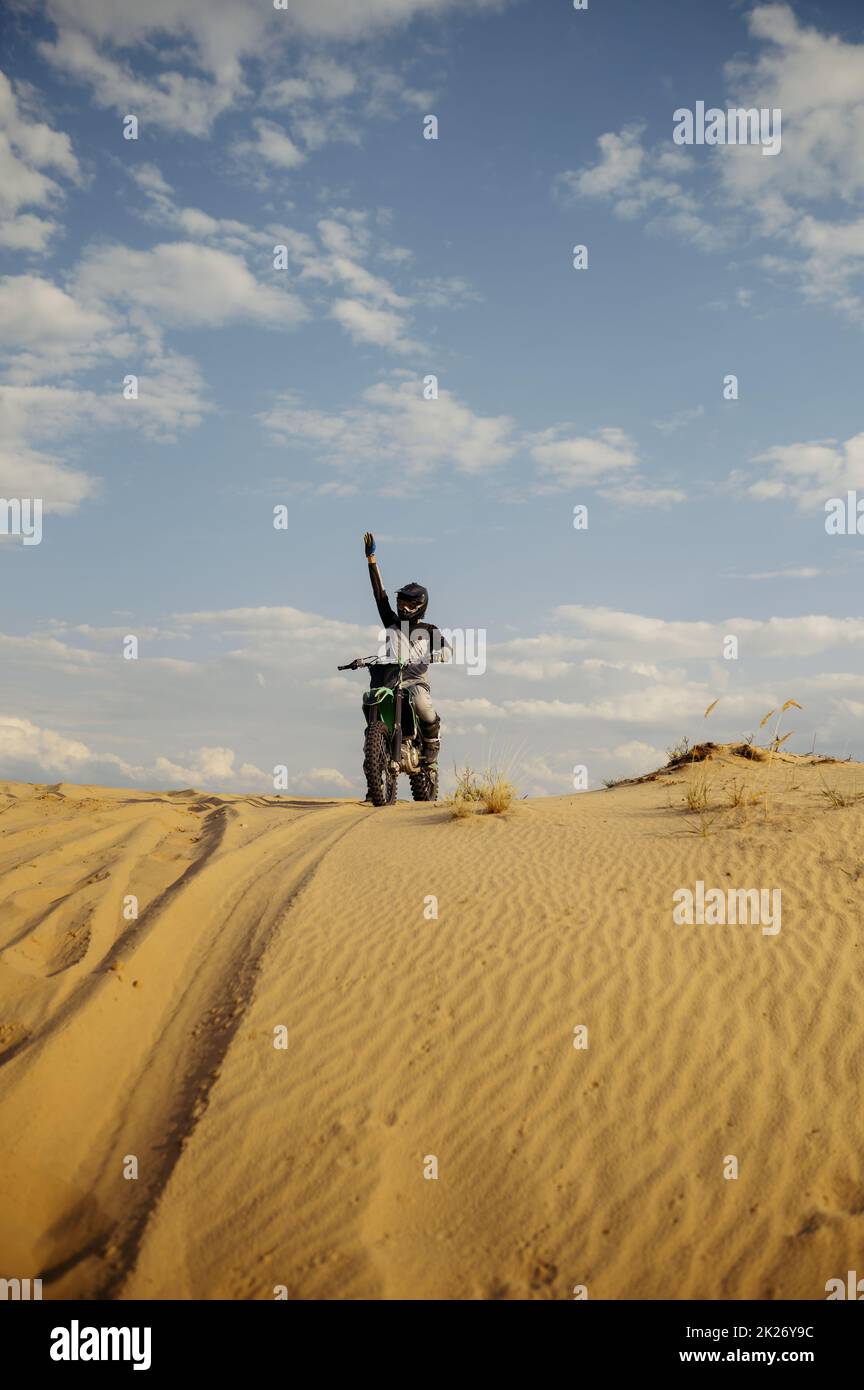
x=381, y=785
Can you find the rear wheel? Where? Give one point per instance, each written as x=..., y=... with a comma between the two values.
x=381, y=785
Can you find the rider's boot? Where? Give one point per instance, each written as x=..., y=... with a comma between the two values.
x=430, y=746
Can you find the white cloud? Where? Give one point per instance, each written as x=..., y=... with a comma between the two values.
x=568, y=461
x=42, y=651
x=363, y=302
x=30, y=750
x=112, y=312
x=636, y=668
x=322, y=79
x=172, y=396
x=33, y=309
x=640, y=496
x=802, y=572
x=27, y=148
x=23, y=742
x=322, y=779
x=798, y=636
x=171, y=100
x=809, y=474
x=618, y=170
x=273, y=144
x=553, y=774
x=536, y=774
x=186, y=284
x=655, y=705
x=331, y=101
x=642, y=183
x=816, y=80
x=204, y=72
x=531, y=670
x=355, y=19
x=546, y=646
x=283, y=638
x=394, y=425
x=606, y=460
x=366, y=323
x=230, y=233
x=27, y=472
x=479, y=708
x=679, y=419
x=86, y=334
x=212, y=767
x=636, y=757
x=371, y=311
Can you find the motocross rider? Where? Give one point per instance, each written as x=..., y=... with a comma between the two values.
x=414, y=641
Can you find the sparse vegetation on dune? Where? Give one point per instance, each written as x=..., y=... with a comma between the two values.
x=696, y=794
x=710, y=799
x=686, y=754
x=489, y=789
x=497, y=794
x=468, y=787
x=837, y=798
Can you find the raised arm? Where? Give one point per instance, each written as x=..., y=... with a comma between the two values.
x=385, y=612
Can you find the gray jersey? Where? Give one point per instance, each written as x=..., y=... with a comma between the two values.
x=416, y=645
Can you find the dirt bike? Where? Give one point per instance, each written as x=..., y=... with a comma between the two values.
x=393, y=739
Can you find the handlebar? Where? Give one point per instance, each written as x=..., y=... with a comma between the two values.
x=359, y=661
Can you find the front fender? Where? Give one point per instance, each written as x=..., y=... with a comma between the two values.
x=379, y=703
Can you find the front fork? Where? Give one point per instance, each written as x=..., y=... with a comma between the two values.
x=396, y=744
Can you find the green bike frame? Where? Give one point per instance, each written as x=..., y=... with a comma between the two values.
x=387, y=705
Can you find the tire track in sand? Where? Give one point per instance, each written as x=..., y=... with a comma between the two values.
x=141, y=1060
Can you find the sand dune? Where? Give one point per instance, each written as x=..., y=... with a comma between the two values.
x=410, y=1036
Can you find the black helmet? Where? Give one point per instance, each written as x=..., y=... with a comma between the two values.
x=411, y=601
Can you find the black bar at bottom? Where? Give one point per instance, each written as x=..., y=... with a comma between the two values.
x=407, y=1340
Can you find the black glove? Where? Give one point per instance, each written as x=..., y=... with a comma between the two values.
x=369, y=543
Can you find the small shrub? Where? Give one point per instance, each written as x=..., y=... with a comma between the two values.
x=738, y=794
x=467, y=786
x=496, y=794
x=679, y=750
x=696, y=793
x=491, y=790
x=837, y=798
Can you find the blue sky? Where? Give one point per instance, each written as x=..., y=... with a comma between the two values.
x=303, y=386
